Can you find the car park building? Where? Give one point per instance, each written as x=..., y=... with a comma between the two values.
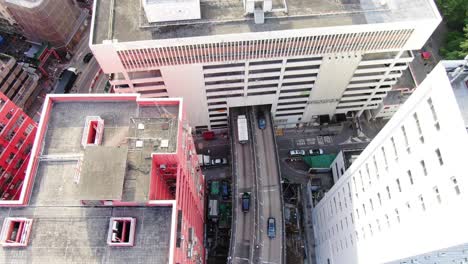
x=401, y=200
x=111, y=179
x=304, y=58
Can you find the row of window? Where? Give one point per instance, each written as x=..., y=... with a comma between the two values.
x=395, y=214
x=372, y=170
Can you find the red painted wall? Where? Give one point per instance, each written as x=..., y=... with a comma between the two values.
x=17, y=133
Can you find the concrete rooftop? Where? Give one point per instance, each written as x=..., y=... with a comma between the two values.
x=69, y=234
x=117, y=169
x=126, y=21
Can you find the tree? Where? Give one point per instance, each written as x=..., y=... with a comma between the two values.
x=455, y=13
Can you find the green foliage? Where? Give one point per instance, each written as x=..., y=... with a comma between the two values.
x=455, y=13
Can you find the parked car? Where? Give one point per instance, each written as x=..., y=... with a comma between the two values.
x=297, y=152
x=261, y=122
x=224, y=190
x=315, y=152
x=245, y=200
x=220, y=161
x=271, y=227
x=87, y=58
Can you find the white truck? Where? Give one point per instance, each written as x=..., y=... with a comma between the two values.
x=243, y=133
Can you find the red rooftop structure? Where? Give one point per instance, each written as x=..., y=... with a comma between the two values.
x=17, y=133
x=117, y=151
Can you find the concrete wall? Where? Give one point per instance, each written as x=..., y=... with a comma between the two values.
x=186, y=81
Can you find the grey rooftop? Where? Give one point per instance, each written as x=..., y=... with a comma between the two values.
x=63, y=234
x=117, y=169
x=126, y=21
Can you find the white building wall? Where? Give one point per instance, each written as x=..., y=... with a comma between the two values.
x=338, y=166
x=376, y=212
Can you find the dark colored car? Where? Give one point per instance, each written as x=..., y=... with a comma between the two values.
x=271, y=227
x=245, y=200
x=87, y=58
x=261, y=122
x=225, y=190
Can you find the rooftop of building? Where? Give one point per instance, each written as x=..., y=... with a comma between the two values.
x=117, y=169
x=457, y=72
x=64, y=230
x=73, y=234
x=126, y=20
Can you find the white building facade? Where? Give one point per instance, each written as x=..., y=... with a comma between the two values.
x=402, y=200
x=307, y=59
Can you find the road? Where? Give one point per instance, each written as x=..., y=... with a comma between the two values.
x=87, y=71
x=269, y=194
x=243, y=181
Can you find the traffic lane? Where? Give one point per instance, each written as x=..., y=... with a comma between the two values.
x=84, y=80
x=271, y=251
x=243, y=167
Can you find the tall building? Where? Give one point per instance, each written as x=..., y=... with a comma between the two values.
x=57, y=22
x=304, y=58
x=17, y=81
x=111, y=179
x=17, y=133
x=402, y=199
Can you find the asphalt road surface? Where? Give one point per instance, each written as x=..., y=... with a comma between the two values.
x=243, y=180
x=269, y=195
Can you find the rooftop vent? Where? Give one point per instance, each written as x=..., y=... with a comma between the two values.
x=141, y=126
x=164, y=143
x=121, y=231
x=139, y=143
x=171, y=10
x=15, y=232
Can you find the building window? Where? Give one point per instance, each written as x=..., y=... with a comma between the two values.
x=368, y=174
x=344, y=198
x=385, y=158
x=349, y=194
x=434, y=114
x=380, y=199
x=455, y=185
x=357, y=213
x=370, y=230
x=362, y=181
x=395, y=151
x=352, y=217
x=398, y=184
x=388, y=220
x=410, y=177
x=423, y=167
x=423, y=206
x=388, y=193
x=376, y=167
x=371, y=204
x=405, y=136
x=418, y=125
x=355, y=186
x=439, y=157
x=397, y=214
x=408, y=206
x=437, y=194
x=378, y=225
x=364, y=209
